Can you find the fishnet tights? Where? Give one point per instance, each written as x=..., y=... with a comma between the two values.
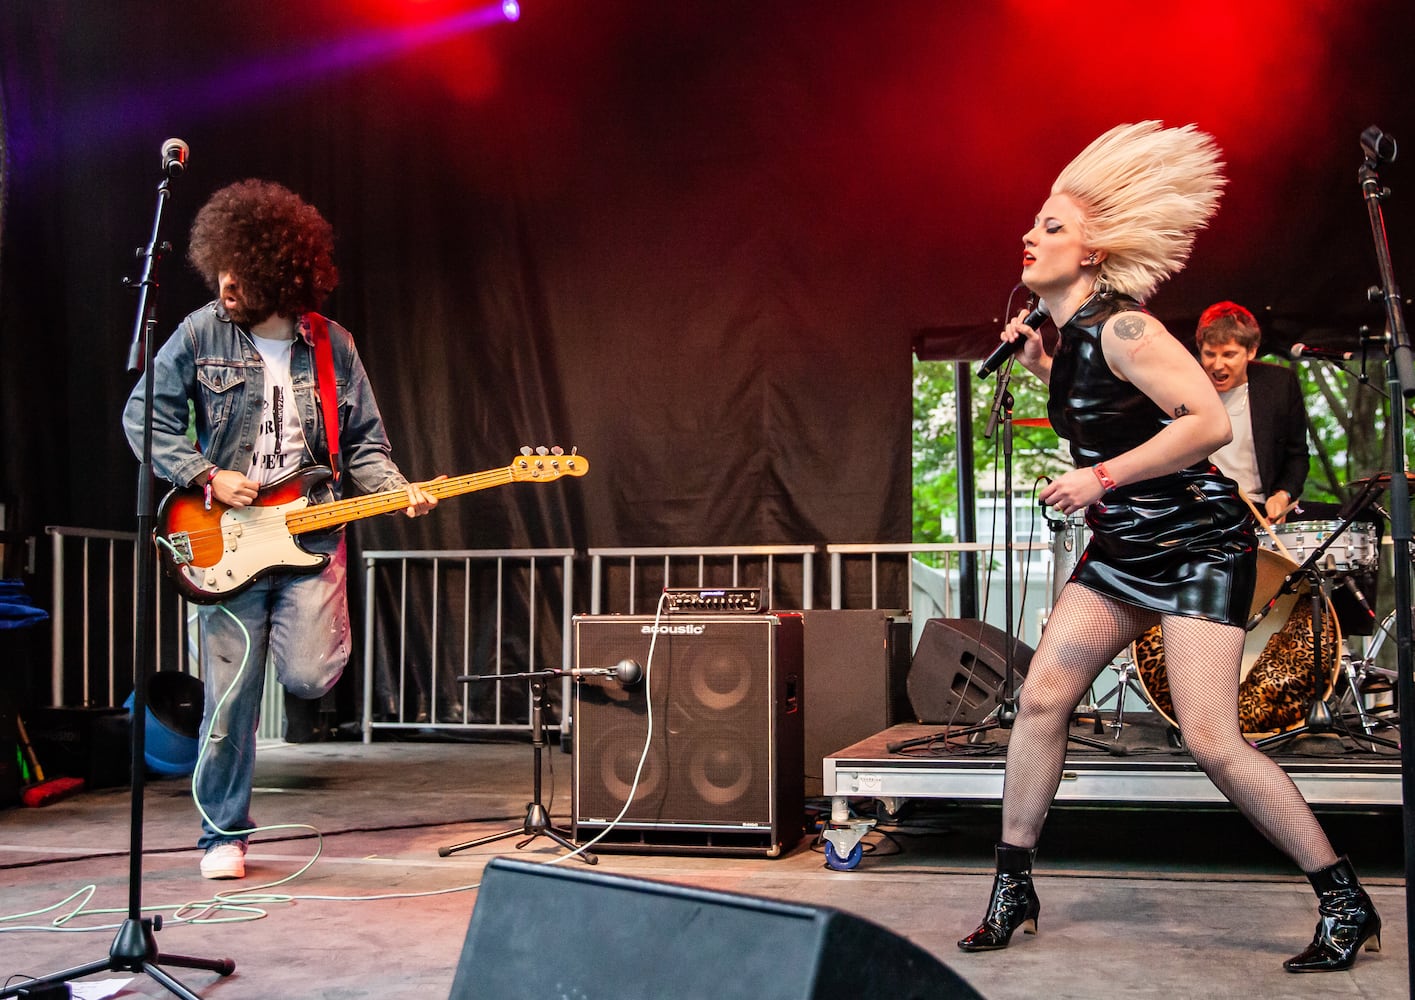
x=1085, y=632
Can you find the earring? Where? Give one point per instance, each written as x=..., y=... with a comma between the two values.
x=1091, y=259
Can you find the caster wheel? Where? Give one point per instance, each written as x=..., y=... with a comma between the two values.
x=845, y=864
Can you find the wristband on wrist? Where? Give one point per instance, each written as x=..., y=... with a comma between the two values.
x=206, y=489
x=1106, y=482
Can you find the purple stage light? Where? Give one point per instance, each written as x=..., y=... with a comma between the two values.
x=511, y=10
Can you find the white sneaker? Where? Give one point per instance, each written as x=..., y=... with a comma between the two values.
x=226, y=860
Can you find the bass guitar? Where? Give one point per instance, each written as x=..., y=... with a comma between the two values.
x=213, y=552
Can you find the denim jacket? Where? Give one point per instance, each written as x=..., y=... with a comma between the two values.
x=215, y=365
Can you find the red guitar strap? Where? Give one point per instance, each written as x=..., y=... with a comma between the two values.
x=328, y=388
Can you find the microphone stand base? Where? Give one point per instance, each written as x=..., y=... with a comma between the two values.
x=537, y=822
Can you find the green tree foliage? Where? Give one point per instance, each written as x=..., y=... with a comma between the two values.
x=1347, y=418
x=1036, y=451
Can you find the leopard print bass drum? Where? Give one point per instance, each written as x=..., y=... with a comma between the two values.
x=1279, y=680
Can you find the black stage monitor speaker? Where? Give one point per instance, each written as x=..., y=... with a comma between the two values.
x=621, y=938
x=723, y=772
x=959, y=668
x=856, y=664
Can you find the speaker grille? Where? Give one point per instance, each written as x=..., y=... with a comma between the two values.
x=726, y=715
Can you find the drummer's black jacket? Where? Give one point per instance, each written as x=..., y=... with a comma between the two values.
x=1279, y=428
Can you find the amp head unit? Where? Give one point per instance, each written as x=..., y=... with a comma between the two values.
x=714, y=600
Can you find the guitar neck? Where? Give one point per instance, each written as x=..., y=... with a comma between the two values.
x=329, y=515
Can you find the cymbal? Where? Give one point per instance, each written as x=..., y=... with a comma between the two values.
x=1031, y=422
x=1382, y=480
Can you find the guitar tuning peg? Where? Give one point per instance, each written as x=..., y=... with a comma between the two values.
x=525, y=449
x=542, y=450
x=557, y=450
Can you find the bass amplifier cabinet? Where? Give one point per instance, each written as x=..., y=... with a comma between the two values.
x=720, y=708
x=857, y=665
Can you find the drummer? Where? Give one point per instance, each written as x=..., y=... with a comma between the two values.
x=1267, y=457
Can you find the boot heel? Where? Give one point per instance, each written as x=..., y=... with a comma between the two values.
x=1373, y=943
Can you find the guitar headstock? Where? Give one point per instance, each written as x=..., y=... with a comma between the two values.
x=541, y=465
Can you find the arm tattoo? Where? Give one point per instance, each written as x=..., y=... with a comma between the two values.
x=1181, y=410
x=1129, y=327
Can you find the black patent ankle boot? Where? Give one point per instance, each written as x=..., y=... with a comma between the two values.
x=1347, y=920
x=1013, y=904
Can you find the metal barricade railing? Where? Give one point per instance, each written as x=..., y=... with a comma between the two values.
x=109, y=549
x=95, y=609
x=104, y=623
x=421, y=630
x=619, y=576
x=896, y=577
x=433, y=616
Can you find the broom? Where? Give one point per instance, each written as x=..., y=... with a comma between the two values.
x=41, y=792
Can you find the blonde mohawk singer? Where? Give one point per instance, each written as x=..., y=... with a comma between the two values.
x=1145, y=190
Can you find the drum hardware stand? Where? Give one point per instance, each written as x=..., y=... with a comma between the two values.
x=537, y=822
x=1355, y=682
x=1124, y=674
x=1319, y=713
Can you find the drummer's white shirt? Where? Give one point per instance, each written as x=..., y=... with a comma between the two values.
x=1237, y=460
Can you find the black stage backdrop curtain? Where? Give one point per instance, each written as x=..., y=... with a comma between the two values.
x=561, y=233
x=693, y=240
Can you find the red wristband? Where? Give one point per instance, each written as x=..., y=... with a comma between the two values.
x=1107, y=483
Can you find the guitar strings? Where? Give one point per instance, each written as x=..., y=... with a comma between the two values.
x=375, y=503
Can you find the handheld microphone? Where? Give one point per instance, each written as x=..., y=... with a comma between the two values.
x=625, y=672
x=1319, y=354
x=1008, y=348
x=174, y=157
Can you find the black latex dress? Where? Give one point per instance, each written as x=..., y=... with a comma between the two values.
x=1179, y=544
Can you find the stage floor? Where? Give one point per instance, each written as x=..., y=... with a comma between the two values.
x=1142, y=900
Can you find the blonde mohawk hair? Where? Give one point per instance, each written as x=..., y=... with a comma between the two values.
x=1145, y=190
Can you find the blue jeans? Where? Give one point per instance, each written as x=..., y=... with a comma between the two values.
x=301, y=624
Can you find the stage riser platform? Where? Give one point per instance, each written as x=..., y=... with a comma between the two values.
x=1331, y=770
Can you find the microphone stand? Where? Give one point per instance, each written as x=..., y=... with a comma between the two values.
x=1319, y=715
x=1400, y=376
x=537, y=822
x=134, y=949
x=1005, y=714
x=1002, y=410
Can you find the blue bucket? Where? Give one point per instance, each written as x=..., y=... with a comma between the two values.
x=174, y=711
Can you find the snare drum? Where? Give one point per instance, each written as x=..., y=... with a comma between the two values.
x=1278, y=679
x=1354, y=551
